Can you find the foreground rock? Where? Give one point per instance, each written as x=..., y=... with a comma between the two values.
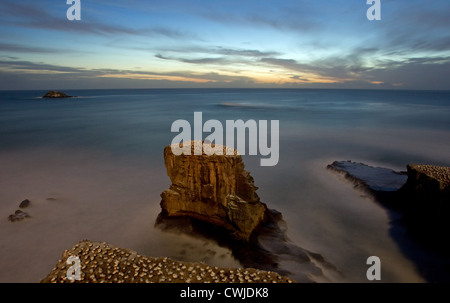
x=103, y=262
x=216, y=189
x=56, y=94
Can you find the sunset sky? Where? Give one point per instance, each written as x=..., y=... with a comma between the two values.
x=246, y=43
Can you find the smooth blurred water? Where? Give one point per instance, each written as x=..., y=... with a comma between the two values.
x=111, y=141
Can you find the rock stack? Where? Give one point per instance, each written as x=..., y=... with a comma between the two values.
x=212, y=188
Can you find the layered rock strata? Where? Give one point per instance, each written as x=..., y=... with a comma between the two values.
x=212, y=188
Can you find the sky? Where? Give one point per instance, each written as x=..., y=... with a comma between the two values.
x=221, y=44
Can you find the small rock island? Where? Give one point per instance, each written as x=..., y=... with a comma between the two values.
x=56, y=94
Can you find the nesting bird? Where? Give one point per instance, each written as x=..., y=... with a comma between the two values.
x=101, y=262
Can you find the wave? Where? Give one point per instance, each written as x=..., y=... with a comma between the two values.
x=252, y=105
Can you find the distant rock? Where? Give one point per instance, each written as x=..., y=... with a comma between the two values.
x=25, y=203
x=213, y=188
x=56, y=94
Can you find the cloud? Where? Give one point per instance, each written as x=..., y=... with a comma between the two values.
x=15, y=48
x=219, y=60
x=238, y=52
x=297, y=16
x=219, y=50
x=34, y=17
x=18, y=73
x=23, y=66
x=222, y=55
x=414, y=73
x=297, y=77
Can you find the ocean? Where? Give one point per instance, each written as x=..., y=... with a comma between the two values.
x=93, y=168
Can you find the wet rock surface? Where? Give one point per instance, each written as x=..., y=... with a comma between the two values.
x=373, y=178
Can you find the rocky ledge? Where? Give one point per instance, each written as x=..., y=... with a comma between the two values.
x=213, y=188
x=422, y=194
x=56, y=94
x=368, y=177
x=102, y=262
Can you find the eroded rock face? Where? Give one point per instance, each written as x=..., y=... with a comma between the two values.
x=213, y=188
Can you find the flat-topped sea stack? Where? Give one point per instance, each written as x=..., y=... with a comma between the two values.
x=212, y=188
x=56, y=94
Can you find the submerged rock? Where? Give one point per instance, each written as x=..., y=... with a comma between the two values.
x=18, y=216
x=56, y=94
x=213, y=188
x=373, y=178
x=25, y=203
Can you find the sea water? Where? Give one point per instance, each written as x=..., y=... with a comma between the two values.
x=93, y=168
